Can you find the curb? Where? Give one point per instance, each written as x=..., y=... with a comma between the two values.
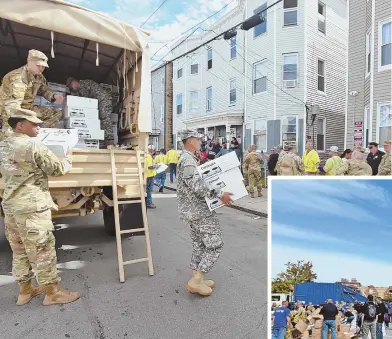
x=236, y=207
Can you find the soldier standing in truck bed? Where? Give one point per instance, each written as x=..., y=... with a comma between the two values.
x=93, y=90
x=206, y=234
x=19, y=89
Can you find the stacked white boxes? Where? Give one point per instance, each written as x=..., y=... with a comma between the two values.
x=223, y=173
x=82, y=114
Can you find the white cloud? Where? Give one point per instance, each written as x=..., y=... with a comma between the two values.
x=281, y=230
x=326, y=196
x=332, y=266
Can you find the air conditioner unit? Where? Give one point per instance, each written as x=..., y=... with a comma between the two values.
x=290, y=83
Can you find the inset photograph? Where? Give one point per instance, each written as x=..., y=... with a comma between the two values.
x=330, y=269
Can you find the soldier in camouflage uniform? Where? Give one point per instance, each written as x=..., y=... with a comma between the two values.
x=19, y=89
x=356, y=166
x=385, y=166
x=93, y=90
x=244, y=170
x=290, y=164
x=206, y=234
x=25, y=165
x=252, y=164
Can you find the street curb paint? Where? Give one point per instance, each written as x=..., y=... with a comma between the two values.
x=236, y=207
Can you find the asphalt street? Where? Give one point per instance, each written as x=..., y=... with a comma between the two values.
x=146, y=307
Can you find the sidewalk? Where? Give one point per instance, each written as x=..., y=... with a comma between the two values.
x=258, y=206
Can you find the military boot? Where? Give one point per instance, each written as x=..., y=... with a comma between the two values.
x=57, y=295
x=28, y=292
x=197, y=285
x=252, y=195
x=260, y=194
x=209, y=283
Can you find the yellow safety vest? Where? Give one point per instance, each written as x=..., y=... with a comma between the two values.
x=332, y=164
x=150, y=162
x=311, y=160
x=172, y=156
x=161, y=158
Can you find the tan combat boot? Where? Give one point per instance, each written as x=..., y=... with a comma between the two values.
x=57, y=295
x=209, y=283
x=260, y=195
x=28, y=292
x=197, y=285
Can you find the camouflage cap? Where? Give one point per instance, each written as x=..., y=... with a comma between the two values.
x=22, y=113
x=189, y=133
x=38, y=57
x=360, y=149
x=388, y=142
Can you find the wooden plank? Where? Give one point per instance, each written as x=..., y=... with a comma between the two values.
x=103, y=158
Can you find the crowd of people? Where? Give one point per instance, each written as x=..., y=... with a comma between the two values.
x=355, y=162
x=367, y=320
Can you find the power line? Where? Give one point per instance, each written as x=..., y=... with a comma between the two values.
x=163, y=2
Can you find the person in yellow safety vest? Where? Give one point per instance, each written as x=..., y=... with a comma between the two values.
x=310, y=159
x=334, y=162
x=160, y=178
x=172, y=157
x=151, y=172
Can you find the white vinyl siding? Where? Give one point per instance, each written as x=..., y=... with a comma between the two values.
x=385, y=45
x=321, y=76
x=162, y=114
x=321, y=132
x=290, y=12
x=233, y=92
x=259, y=77
x=209, y=99
x=162, y=84
x=179, y=103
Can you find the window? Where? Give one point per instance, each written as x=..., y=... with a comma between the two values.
x=321, y=17
x=195, y=69
x=321, y=132
x=321, y=76
x=194, y=101
x=209, y=98
x=162, y=114
x=233, y=48
x=290, y=12
x=366, y=126
x=209, y=58
x=368, y=51
x=260, y=134
x=385, y=123
x=289, y=130
x=179, y=103
x=290, y=66
x=259, y=78
x=385, y=48
x=233, y=92
x=261, y=28
x=179, y=73
x=162, y=84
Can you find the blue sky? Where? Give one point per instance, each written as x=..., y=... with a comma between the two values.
x=173, y=18
x=343, y=226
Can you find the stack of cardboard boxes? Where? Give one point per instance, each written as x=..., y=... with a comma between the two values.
x=56, y=89
x=316, y=320
x=82, y=114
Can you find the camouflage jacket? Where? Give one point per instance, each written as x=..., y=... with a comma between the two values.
x=25, y=165
x=93, y=90
x=385, y=165
x=19, y=89
x=354, y=167
x=253, y=162
x=192, y=190
x=289, y=164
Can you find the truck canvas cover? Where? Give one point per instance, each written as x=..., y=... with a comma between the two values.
x=318, y=293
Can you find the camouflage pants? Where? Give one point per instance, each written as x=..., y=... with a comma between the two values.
x=255, y=181
x=49, y=115
x=33, y=246
x=246, y=179
x=206, y=236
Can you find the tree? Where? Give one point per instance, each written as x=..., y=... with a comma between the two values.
x=296, y=273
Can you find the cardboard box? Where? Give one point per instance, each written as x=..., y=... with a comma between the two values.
x=81, y=112
x=318, y=323
x=344, y=328
x=41, y=101
x=219, y=165
x=74, y=122
x=75, y=101
x=89, y=133
x=229, y=181
x=301, y=326
x=316, y=333
x=58, y=140
x=88, y=143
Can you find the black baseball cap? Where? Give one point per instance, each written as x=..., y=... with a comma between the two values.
x=373, y=144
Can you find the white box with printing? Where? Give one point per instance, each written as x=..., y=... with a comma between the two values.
x=58, y=140
x=230, y=181
x=219, y=165
x=88, y=143
x=81, y=112
x=73, y=122
x=75, y=101
x=90, y=133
